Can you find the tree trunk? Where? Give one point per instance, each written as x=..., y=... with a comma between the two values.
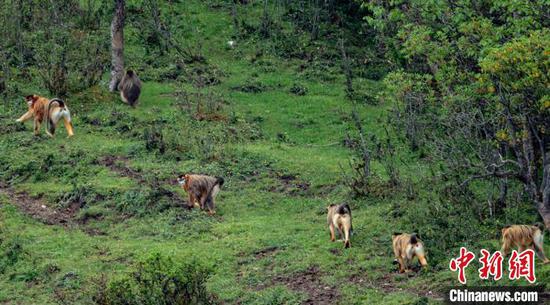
x=117, y=45
x=544, y=206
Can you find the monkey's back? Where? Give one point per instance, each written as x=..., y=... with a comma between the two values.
x=520, y=235
x=402, y=242
x=130, y=88
x=131, y=94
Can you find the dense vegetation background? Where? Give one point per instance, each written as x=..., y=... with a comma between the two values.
x=426, y=116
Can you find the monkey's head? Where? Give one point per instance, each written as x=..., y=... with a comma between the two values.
x=130, y=73
x=31, y=99
x=182, y=179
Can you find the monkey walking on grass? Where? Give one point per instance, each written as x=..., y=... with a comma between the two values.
x=524, y=237
x=339, y=218
x=49, y=111
x=406, y=247
x=202, y=189
x=130, y=88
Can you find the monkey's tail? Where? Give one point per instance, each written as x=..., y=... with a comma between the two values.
x=344, y=209
x=414, y=239
x=49, y=122
x=219, y=181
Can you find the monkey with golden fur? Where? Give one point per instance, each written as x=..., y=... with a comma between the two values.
x=524, y=237
x=130, y=88
x=406, y=247
x=339, y=218
x=50, y=111
x=202, y=189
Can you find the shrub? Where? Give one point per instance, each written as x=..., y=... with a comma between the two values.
x=154, y=139
x=298, y=89
x=142, y=201
x=11, y=251
x=160, y=280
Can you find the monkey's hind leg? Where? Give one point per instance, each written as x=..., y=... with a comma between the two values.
x=191, y=202
x=68, y=123
x=347, y=242
x=53, y=118
x=539, y=248
x=332, y=237
x=402, y=266
x=210, y=205
x=50, y=130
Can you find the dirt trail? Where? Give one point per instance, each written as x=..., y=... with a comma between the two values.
x=310, y=283
x=37, y=209
x=388, y=284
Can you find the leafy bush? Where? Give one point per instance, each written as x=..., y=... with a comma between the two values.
x=11, y=250
x=159, y=280
x=142, y=201
x=154, y=139
x=298, y=89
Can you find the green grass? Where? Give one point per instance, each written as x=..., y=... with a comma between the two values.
x=251, y=215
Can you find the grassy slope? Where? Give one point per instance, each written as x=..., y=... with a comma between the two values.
x=251, y=217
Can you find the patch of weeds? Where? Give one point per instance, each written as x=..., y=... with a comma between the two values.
x=11, y=250
x=202, y=106
x=204, y=75
x=9, y=127
x=91, y=212
x=154, y=139
x=298, y=89
x=282, y=137
x=274, y=295
x=251, y=86
x=158, y=279
x=19, y=171
x=120, y=121
x=69, y=280
x=318, y=70
x=242, y=164
x=78, y=197
x=195, y=222
x=142, y=201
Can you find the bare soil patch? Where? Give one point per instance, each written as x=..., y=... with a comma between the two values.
x=309, y=282
x=290, y=184
x=37, y=209
x=388, y=284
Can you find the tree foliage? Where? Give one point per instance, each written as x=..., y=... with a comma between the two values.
x=471, y=88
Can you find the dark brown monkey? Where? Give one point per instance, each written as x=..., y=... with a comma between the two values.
x=130, y=88
x=201, y=188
